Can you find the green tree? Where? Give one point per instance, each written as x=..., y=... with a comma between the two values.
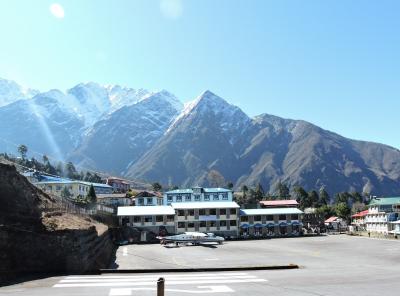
x=45, y=159
x=229, y=185
x=302, y=197
x=313, y=199
x=156, y=186
x=22, y=150
x=91, y=195
x=244, y=190
x=65, y=193
x=259, y=192
x=325, y=211
x=70, y=170
x=343, y=211
x=282, y=191
x=323, y=196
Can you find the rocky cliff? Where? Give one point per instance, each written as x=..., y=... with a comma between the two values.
x=34, y=240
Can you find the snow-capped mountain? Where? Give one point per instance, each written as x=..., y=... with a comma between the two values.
x=10, y=92
x=151, y=136
x=125, y=135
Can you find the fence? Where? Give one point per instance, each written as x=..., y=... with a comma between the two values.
x=67, y=206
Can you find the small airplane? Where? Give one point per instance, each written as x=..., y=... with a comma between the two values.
x=194, y=238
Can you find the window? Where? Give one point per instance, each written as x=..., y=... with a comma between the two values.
x=257, y=218
x=203, y=224
x=295, y=217
x=181, y=224
x=215, y=197
x=225, y=196
x=159, y=218
x=213, y=224
x=206, y=196
x=244, y=218
x=233, y=211
x=140, y=201
x=197, y=197
x=181, y=213
x=202, y=212
x=136, y=219
x=270, y=218
x=188, y=198
x=213, y=211
x=149, y=200
x=148, y=219
x=282, y=217
x=58, y=187
x=222, y=211
x=222, y=223
x=179, y=198
x=170, y=218
x=169, y=197
x=232, y=223
x=191, y=225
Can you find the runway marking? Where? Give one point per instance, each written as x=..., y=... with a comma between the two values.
x=210, y=289
x=144, y=281
x=125, y=251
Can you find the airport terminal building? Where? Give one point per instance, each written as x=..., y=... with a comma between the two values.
x=211, y=210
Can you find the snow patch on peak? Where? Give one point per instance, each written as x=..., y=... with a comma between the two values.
x=165, y=96
x=10, y=91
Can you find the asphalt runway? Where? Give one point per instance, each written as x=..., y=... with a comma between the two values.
x=330, y=265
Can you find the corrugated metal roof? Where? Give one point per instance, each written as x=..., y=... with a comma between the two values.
x=269, y=211
x=331, y=219
x=289, y=202
x=385, y=201
x=145, y=211
x=205, y=205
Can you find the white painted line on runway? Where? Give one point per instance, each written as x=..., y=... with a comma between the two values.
x=152, y=283
x=211, y=289
x=197, y=274
x=124, y=251
x=156, y=278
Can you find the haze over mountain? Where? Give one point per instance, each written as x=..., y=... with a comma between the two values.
x=151, y=136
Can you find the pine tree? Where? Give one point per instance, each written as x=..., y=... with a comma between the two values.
x=259, y=192
x=323, y=196
x=23, y=150
x=91, y=195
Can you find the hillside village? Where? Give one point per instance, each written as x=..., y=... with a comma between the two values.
x=250, y=213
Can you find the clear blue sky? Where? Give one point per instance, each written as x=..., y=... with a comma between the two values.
x=333, y=63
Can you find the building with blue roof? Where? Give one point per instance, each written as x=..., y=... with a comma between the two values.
x=198, y=194
x=56, y=186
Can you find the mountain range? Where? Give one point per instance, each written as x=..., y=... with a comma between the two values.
x=152, y=136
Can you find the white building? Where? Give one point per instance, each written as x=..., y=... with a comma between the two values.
x=381, y=212
x=148, y=218
x=198, y=194
x=270, y=222
x=220, y=217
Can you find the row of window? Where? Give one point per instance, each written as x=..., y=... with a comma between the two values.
x=222, y=223
x=197, y=197
x=268, y=217
x=204, y=212
x=149, y=201
x=149, y=219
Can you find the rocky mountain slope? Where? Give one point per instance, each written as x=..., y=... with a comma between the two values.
x=150, y=136
x=34, y=241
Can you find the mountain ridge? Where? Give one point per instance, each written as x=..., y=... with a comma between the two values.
x=152, y=136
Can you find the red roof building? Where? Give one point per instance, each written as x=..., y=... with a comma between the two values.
x=285, y=203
